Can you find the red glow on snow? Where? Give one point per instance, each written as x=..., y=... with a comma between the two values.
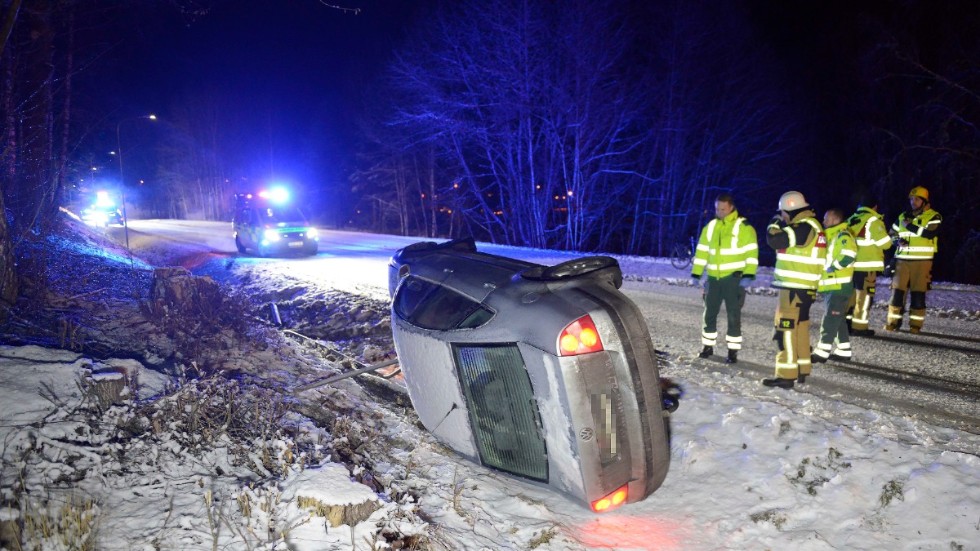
x=619, y=531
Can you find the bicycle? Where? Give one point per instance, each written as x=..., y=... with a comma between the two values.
x=682, y=254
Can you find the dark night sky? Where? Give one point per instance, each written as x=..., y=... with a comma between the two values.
x=284, y=72
x=290, y=77
x=279, y=73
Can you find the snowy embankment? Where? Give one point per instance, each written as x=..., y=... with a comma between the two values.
x=196, y=460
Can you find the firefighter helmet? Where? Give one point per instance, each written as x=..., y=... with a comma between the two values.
x=920, y=192
x=792, y=200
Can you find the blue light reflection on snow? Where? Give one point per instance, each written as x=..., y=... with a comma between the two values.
x=119, y=257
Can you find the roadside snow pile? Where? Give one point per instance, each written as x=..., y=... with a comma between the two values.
x=196, y=440
x=141, y=460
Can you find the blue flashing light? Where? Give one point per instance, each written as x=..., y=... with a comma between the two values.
x=102, y=200
x=277, y=195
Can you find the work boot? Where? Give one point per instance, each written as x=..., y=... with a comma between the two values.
x=915, y=330
x=706, y=352
x=801, y=378
x=863, y=332
x=732, y=357
x=777, y=382
x=817, y=358
x=894, y=321
x=839, y=358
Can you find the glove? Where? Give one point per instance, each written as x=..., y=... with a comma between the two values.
x=744, y=282
x=696, y=281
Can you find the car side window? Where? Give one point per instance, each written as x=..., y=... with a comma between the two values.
x=432, y=306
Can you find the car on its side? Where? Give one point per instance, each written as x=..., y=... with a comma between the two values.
x=268, y=228
x=546, y=373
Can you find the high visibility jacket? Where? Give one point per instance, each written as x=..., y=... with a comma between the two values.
x=838, y=267
x=727, y=246
x=800, y=264
x=917, y=235
x=872, y=239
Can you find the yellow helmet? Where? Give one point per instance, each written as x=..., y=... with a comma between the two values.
x=920, y=192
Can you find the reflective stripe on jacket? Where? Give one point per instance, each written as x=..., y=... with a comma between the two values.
x=915, y=246
x=800, y=265
x=727, y=246
x=872, y=239
x=841, y=254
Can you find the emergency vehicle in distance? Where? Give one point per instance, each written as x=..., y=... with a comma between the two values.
x=266, y=223
x=103, y=211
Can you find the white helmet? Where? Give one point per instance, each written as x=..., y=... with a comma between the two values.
x=792, y=200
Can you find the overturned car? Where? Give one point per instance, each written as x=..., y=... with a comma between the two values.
x=546, y=373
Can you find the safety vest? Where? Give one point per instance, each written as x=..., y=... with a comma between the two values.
x=916, y=247
x=872, y=240
x=726, y=246
x=800, y=265
x=838, y=267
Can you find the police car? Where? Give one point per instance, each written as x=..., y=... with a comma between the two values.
x=266, y=223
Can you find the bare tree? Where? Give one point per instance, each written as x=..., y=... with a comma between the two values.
x=717, y=123
x=192, y=178
x=8, y=273
x=535, y=110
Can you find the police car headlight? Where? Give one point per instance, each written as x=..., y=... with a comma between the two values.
x=311, y=233
x=271, y=236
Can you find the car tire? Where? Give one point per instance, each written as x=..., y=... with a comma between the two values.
x=239, y=246
x=311, y=249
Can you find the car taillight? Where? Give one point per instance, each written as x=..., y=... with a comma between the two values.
x=579, y=337
x=611, y=501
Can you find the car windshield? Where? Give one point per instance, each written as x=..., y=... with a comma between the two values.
x=280, y=215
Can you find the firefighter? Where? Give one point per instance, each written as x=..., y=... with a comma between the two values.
x=873, y=240
x=836, y=287
x=728, y=254
x=801, y=248
x=915, y=233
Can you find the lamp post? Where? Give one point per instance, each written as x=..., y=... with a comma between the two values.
x=122, y=182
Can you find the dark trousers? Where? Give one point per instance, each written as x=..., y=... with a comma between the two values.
x=833, y=328
x=717, y=291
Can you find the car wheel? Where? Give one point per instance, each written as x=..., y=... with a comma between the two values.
x=239, y=246
x=311, y=249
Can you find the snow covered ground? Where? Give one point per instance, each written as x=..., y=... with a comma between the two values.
x=751, y=468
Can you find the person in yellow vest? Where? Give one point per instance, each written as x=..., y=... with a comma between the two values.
x=836, y=287
x=868, y=227
x=916, y=233
x=728, y=255
x=801, y=248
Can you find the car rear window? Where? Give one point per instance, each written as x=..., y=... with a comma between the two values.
x=432, y=306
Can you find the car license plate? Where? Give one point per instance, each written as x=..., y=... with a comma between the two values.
x=295, y=243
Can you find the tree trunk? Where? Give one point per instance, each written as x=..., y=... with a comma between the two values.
x=8, y=271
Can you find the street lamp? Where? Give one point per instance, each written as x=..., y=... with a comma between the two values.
x=122, y=182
